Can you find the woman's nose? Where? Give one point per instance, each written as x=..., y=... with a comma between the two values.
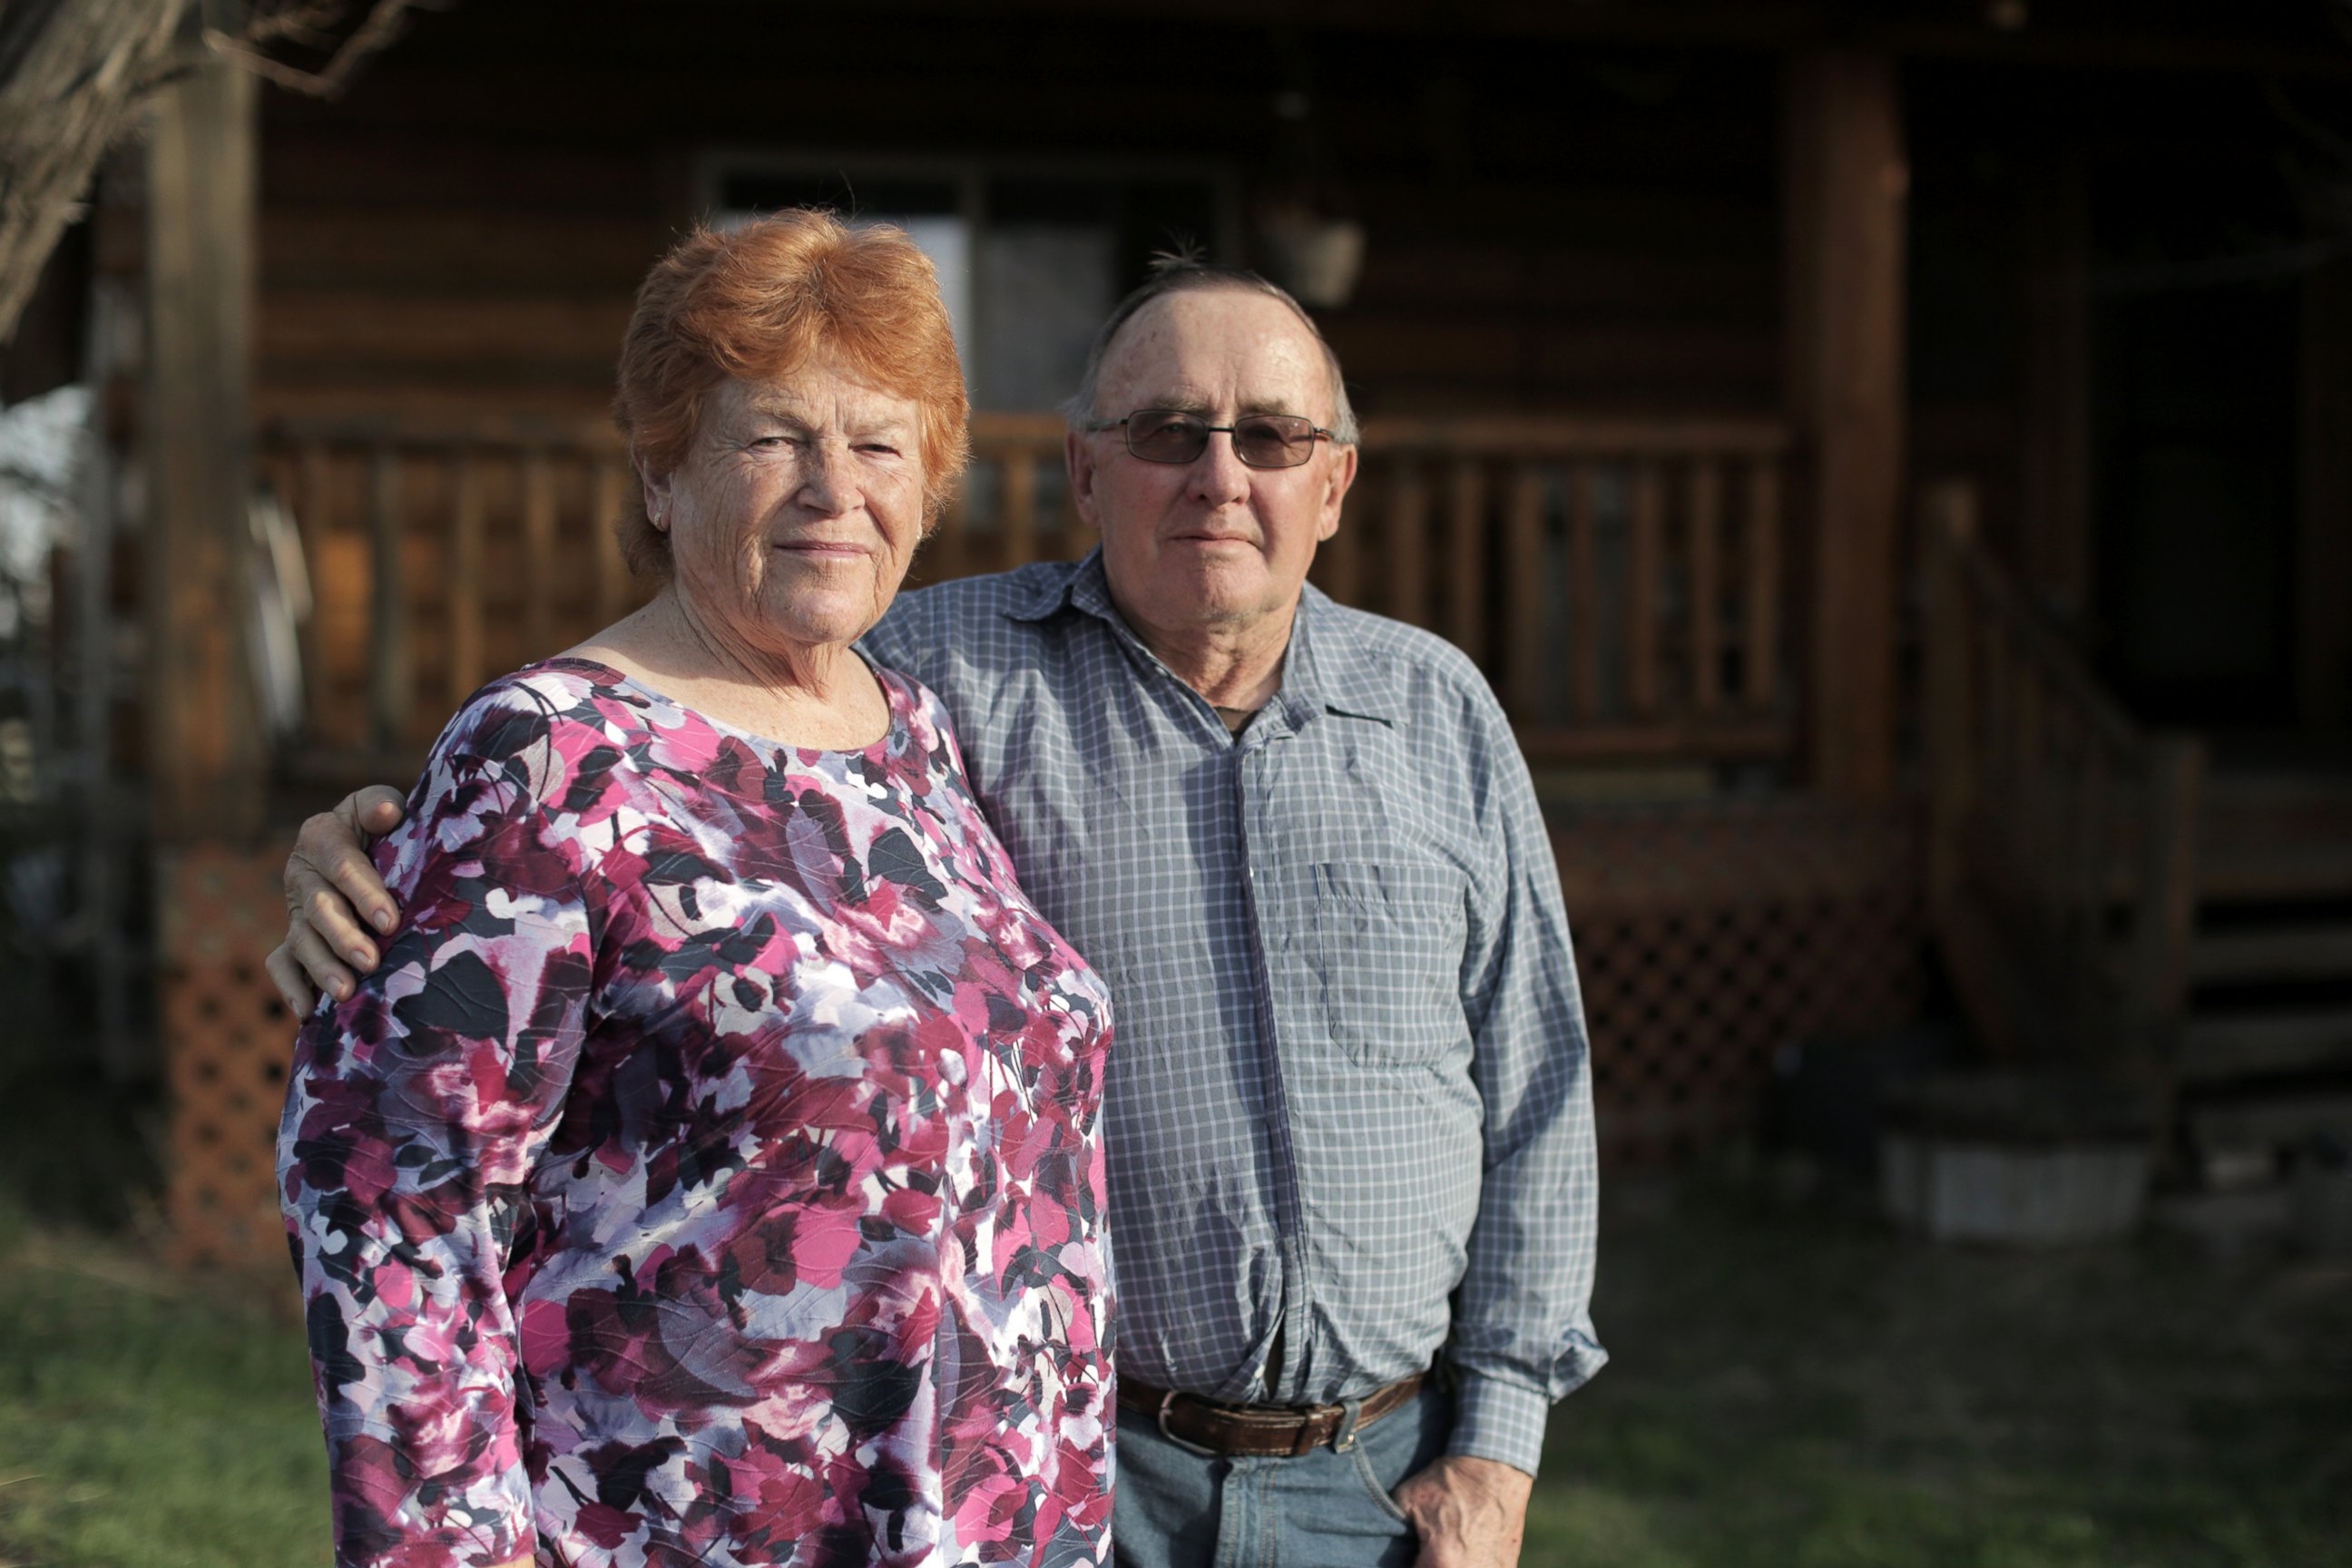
x=827, y=485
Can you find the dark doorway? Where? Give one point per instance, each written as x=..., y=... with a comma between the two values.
x=2194, y=398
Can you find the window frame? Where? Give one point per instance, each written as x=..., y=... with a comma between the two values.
x=969, y=176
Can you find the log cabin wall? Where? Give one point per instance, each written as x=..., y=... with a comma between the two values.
x=1549, y=225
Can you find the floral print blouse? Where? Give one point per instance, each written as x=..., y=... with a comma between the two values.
x=710, y=1170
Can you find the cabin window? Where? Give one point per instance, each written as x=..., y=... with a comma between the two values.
x=1030, y=260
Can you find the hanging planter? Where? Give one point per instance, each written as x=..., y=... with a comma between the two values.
x=1317, y=258
x=1303, y=242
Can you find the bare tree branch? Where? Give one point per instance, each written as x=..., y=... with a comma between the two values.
x=73, y=76
x=81, y=69
x=305, y=22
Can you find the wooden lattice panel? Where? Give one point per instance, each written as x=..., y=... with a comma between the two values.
x=228, y=1040
x=1711, y=938
x=1708, y=938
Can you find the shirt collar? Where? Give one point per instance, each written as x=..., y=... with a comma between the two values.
x=1324, y=670
x=1078, y=586
x=1333, y=669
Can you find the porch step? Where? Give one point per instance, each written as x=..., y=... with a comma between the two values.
x=2273, y=1120
x=2218, y=1046
x=2266, y=1051
x=2321, y=950
x=2311, y=791
x=2276, y=835
x=2240, y=867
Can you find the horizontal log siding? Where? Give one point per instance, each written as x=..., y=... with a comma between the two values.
x=1551, y=224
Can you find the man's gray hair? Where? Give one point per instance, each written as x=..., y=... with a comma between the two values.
x=1183, y=275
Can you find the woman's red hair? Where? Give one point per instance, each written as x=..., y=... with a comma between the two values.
x=756, y=302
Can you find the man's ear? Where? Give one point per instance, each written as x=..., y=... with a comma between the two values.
x=1079, y=458
x=1335, y=493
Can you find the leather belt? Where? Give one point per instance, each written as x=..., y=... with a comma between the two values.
x=1262, y=1431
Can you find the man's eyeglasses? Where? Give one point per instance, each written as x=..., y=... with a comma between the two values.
x=1260, y=440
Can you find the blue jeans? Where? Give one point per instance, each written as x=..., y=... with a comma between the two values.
x=1178, y=1509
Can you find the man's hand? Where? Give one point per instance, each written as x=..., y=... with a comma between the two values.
x=330, y=884
x=1471, y=1513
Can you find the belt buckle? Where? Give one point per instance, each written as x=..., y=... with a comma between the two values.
x=1166, y=1400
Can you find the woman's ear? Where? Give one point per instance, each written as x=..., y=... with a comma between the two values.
x=660, y=489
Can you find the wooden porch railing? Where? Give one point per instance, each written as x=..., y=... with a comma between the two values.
x=2062, y=861
x=440, y=553
x=1624, y=582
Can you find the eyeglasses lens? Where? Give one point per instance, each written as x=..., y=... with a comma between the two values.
x=1166, y=437
x=1273, y=440
x=1260, y=440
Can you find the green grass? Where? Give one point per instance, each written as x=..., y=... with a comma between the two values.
x=1796, y=1389
x=1804, y=1390
x=148, y=1421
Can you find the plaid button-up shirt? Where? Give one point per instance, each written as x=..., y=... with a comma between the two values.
x=1348, y=1095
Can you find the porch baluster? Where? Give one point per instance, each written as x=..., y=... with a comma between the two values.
x=388, y=679
x=1583, y=594
x=1523, y=586
x=1706, y=591
x=466, y=571
x=539, y=553
x=1761, y=662
x=1641, y=682
x=1018, y=534
x=1408, y=586
x=1466, y=617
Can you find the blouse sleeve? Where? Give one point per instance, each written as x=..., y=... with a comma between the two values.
x=415, y=1113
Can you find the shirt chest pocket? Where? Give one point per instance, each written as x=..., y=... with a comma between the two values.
x=1383, y=946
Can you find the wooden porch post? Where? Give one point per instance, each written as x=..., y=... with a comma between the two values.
x=206, y=751
x=1843, y=184
x=2323, y=567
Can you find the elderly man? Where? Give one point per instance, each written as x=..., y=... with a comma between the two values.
x=1349, y=1114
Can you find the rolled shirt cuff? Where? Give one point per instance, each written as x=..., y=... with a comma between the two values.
x=1499, y=1420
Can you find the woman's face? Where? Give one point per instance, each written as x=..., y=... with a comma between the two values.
x=796, y=510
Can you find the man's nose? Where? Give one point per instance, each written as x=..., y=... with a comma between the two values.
x=1219, y=475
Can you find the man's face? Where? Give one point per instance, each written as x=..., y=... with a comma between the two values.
x=1212, y=544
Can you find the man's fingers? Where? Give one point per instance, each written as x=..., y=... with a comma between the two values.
x=377, y=809
x=315, y=963
x=330, y=853
x=325, y=912
x=315, y=902
x=292, y=985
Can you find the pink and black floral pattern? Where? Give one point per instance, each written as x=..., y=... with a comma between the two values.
x=710, y=1170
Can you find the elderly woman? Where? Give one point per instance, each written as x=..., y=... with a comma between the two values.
x=708, y=1172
